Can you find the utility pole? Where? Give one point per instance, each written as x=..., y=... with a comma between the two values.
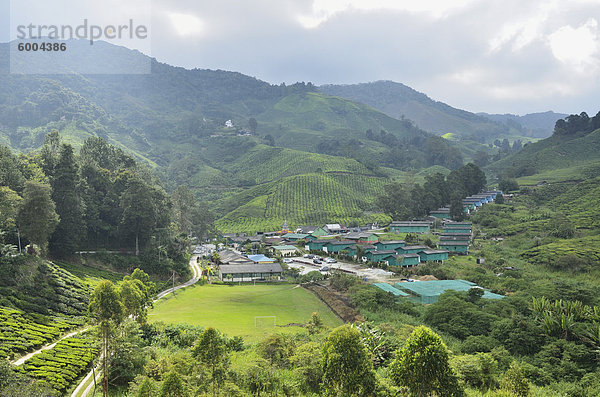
x=19, y=238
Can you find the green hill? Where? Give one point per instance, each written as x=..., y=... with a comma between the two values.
x=306, y=199
x=400, y=101
x=558, y=152
x=222, y=133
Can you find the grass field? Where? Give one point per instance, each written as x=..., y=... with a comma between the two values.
x=232, y=309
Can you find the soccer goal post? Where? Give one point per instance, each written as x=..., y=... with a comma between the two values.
x=265, y=321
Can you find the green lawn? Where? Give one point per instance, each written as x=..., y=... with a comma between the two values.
x=232, y=309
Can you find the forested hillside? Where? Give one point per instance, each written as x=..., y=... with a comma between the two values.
x=221, y=133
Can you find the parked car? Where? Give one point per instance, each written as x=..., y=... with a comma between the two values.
x=317, y=261
x=330, y=260
x=309, y=256
x=324, y=269
x=288, y=260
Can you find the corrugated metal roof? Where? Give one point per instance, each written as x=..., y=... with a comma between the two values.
x=255, y=268
x=284, y=247
x=260, y=258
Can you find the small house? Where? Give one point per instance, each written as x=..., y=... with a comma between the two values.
x=335, y=246
x=430, y=255
x=380, y=256
x=459, y=247
x=407, y=260
x=317, y=245
x=284, y=250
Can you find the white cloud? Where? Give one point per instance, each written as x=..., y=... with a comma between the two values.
x=577, y=47
x=323, y=10
x=186, y=24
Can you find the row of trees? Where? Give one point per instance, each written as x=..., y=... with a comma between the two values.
x=99, y=198
x=403, y=201
x=577, y=123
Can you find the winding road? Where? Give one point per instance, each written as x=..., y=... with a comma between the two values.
x=82, y=390
x=196, y=271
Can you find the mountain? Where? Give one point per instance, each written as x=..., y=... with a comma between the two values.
x=400, y=101
x=226, y=135
x=537, y=125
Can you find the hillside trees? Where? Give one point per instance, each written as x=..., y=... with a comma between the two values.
x=70, y=229
x=422, y=366
x=407, y=201
x=347, y=367
x=37, y=217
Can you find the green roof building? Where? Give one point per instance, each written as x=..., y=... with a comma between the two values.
x=460, y=247
x=295, y=236
x=429, y=291
x=335, y=246
x=317, y=245
x=430, y=255
x=410, y=227
x=411, y=249
x=407, y=260
x=380, y=256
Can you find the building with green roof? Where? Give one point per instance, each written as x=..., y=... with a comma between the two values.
x=459, y=247
x=430, y=255
x=427, y=292
x=388, y=288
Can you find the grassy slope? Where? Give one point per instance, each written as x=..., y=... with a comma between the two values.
x=552, y=154
x=307, y=199
x=232, y=309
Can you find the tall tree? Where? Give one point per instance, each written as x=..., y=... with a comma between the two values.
x=68, y=234
x=422, y=366
x=211, y=350
x=139, y=211
x=10, y=173
x=347, y=367
x=107, y=309
x=37, y=217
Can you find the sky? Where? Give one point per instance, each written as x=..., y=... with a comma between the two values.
x=495, y=56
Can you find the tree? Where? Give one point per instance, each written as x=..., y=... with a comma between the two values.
x=107, y=309
x=347, y=367
x=315, y=324
x=211, y=350
x=9, y=208
x=514, y=381
x=457, y=210
x=172, y=386
x=422, y=366
x=508, y=185
x=133, y=296
x=37, y=217
x=70, y=229
x=139, y=216
x=253, y=124
x=10, y=174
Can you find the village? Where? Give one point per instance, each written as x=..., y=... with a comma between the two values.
x=372, y=253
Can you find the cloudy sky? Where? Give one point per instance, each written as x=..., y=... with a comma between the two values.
x=495, y=56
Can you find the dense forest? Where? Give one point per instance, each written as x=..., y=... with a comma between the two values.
x=58, y=202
